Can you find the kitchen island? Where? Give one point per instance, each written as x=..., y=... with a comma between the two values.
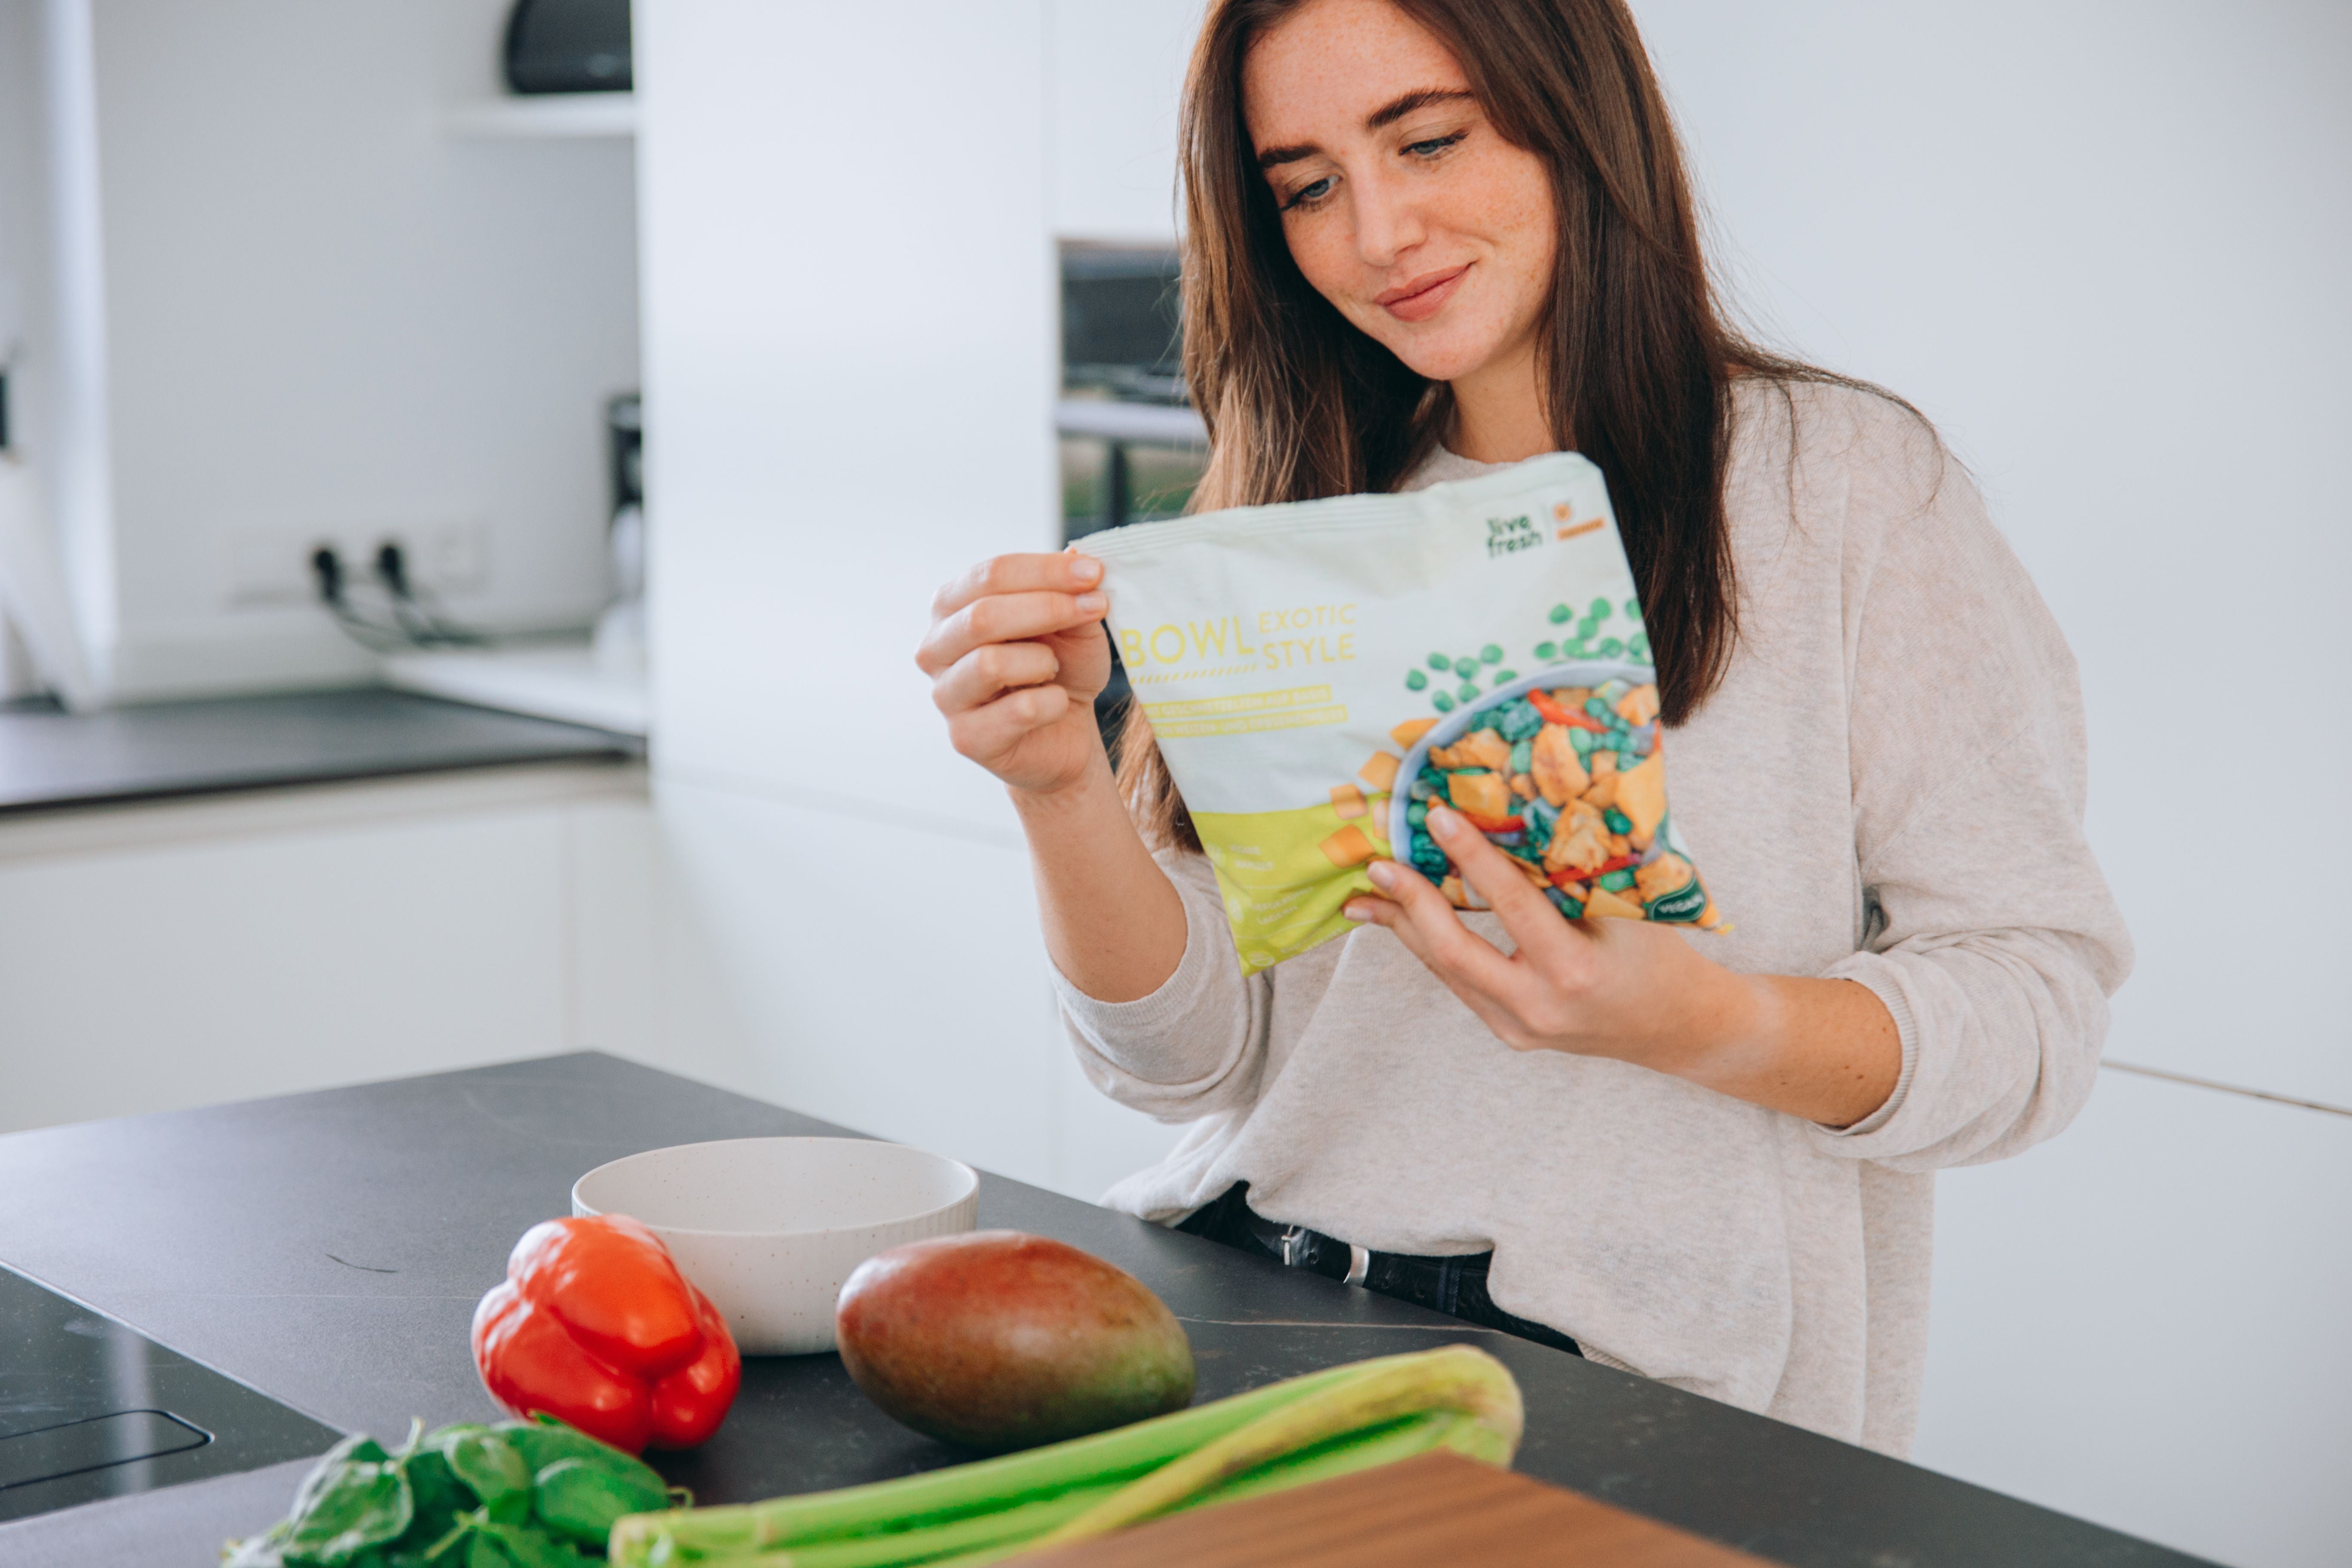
x=328, y=1249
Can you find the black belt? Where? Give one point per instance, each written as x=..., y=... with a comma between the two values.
x=1456, y=1286
x=1299, y=1247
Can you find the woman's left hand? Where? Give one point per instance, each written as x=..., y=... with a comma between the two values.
x=1825, y=1050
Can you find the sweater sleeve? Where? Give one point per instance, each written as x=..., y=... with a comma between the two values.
x=1991, y=935
x=1197, y=1045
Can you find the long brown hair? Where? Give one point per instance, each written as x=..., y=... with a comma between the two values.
x=1635, y=361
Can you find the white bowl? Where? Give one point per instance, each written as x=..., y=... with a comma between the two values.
x=769, y=1228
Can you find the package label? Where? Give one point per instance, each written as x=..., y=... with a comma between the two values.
x=1319, y=675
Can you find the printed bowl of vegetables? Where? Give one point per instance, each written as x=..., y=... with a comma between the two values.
x=1564, y=771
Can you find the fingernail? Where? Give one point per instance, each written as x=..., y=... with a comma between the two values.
x=1444, y=821
x=1093, y=604
x=1383, y=874
x=1355, y=910
x=1086, y=570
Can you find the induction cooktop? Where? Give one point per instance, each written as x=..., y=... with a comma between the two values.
x=91, y=1408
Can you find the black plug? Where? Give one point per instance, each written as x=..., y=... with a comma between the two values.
x=328, y=568
x=392, y=568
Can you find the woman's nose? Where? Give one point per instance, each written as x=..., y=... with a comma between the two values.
x=1388, y=220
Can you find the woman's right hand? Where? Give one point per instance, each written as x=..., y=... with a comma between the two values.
x=1016, y=656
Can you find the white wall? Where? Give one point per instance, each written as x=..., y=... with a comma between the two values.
x=2102, y=246
x=328, y=315
x=1113, y=70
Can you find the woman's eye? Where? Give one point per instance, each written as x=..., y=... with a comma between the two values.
x=1434, y=145
x=1307, y=196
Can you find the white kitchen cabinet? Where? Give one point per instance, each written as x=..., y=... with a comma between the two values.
x=154, y=957
x=849, y=378
x=2142, y=1322
x=893, y=982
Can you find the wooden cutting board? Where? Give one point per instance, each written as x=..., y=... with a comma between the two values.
x=1435, y=1508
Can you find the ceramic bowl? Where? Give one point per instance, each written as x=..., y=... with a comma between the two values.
x=769, y=1228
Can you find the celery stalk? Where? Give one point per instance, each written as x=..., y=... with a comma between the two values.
x=1344, y=1456
x=1286, y=1434
x=1010, y=1527
x=1457, y=1378
x=689, y=1535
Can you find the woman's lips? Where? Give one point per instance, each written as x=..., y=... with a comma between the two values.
x=1424, y=297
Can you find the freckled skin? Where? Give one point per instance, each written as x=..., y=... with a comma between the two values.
x=1374, y=210
x=998, y=1340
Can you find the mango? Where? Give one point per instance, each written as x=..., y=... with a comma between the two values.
x=997, y=1340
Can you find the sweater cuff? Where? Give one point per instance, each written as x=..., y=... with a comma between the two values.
x=1882, y=984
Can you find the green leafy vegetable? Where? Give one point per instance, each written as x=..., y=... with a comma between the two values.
x=579, y=1499
x=534, y=1494
x=490, y=1466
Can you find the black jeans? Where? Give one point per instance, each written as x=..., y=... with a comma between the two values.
x=1455, y=1286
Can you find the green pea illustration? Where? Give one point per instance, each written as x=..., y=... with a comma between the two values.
x=1601, y=609
x=1414, y=679
x=1561, y=614
x=1440, y=663
x=1505, y=677
x=1546, y=650
x=1467, y=691
x=1442, y=703
x=1465, y=665
x=1490, y=654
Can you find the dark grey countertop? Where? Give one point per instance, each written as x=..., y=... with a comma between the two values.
x=50, y=759
x=328, y=1249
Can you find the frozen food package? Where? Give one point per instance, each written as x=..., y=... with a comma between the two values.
x=1317, y=674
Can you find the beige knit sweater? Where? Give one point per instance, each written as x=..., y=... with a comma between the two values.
x=1888, y=787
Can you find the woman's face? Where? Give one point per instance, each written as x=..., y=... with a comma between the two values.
x=1401, y=205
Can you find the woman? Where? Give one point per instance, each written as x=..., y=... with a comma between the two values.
x=1430, y=236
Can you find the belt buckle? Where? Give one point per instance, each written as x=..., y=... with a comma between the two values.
x=1294, y=1241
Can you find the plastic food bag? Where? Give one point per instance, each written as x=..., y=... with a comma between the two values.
x=1317, y=674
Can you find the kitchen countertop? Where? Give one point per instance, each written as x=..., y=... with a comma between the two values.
x=328, y=1248
x=51, y=760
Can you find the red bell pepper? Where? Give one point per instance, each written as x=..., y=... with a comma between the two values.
x=1542, y=703
x=595, y=1325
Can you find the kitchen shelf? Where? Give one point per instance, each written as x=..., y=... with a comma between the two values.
x=547, y=680
x=1147, y=424
x=544, y=117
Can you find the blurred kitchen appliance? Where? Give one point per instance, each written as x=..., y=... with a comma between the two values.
x=621, y=630
x=1122, y=328
x=1133, y=446
x=568, y=45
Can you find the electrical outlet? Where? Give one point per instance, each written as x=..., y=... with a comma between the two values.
x=455, y=558
x=271, y=566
